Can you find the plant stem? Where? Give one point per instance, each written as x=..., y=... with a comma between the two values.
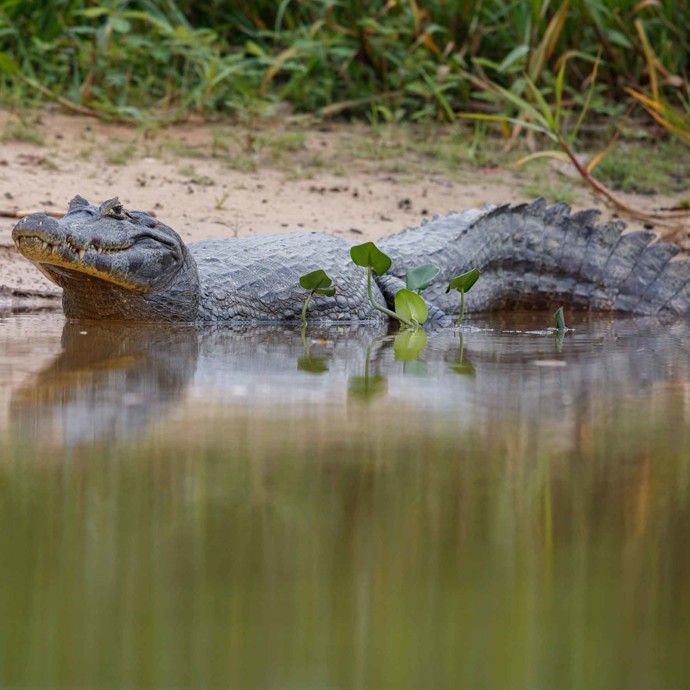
x=304, y=308
x=374, y=304
x=462, y=308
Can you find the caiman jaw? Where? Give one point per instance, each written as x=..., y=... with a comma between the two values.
x=92, y=259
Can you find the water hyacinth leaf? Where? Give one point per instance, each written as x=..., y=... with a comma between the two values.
x=464, y=282
x=411, y=307
x=420, y=277
x=408, y=345
x=318, y=281
x=368, y=255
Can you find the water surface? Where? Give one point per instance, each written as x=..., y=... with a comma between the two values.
x=184, y=507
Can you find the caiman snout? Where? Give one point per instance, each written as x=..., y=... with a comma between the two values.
x=36, y=225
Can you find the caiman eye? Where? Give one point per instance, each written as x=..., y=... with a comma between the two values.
x=112, y=208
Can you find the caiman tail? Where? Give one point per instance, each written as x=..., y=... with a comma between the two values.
x=537, y=256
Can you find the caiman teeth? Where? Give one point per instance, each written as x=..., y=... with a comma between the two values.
x=71, y=246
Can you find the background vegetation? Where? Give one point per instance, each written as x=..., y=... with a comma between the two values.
x=395, y=60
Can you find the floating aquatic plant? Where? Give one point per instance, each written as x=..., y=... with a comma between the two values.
x=463, y=283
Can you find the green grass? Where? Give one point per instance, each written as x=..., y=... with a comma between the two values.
x=23, y=133
x=551, y=191
x=646, y=169
x=156, y=61
x=120, y=152
x=190, y=172
x=181, y=149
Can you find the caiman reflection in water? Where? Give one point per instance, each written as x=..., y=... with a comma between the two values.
x=110, y=381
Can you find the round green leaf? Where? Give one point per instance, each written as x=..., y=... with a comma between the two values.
x=317, y=281
x=369, y=255
x=464, y=282
x=420, y=277
x=411, y=306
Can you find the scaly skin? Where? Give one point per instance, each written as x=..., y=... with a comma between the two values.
x=115, y=264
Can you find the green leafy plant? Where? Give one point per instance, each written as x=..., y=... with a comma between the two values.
x=408, y=303
x=318, y=283
x=463, y=283
x=420, y=277
x=161, y=59
x=369, y=256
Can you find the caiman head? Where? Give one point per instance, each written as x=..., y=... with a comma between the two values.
x=112, y=263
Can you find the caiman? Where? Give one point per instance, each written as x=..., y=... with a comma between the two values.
x=120, y=265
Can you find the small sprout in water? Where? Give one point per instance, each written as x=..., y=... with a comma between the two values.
x=318, y=283
x=560, y=320
x=463, y=284
x=560, y=330
x=420, y=277
x=369, y=256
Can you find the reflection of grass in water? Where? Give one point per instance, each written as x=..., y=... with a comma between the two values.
x=444, y=559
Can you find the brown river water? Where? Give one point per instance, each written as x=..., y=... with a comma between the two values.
x=190, y=507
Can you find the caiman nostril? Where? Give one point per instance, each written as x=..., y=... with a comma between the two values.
x=38, y=222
